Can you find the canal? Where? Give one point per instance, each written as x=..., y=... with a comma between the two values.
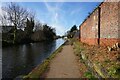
x=21, y=59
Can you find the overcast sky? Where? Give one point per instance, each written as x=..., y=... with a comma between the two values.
x=60, y=15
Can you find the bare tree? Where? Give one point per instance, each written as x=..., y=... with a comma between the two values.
x=3, y=22
x=38, y=26
x=3, y=19
x=17, y=15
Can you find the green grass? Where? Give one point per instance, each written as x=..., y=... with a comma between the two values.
x=38, y=70
x=78, y=47
x=89, y=75
x=114, y=71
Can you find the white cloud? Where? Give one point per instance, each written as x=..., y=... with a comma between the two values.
x=0, y=12
x=55, y=11
x=42, y=21
x=0, y=8
x=0, y=15
x=56, y=16
x=73, y=12
x=59, y=29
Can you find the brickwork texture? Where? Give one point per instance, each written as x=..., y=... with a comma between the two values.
x=102, y=26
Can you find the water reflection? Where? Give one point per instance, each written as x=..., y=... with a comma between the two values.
x=19, y=60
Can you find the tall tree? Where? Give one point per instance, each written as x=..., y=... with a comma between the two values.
x=29, y=27
x=3, y=19
x=72, y=31
x=16, y=15
x=49, y=32
x=38, y=26
x=73, y=28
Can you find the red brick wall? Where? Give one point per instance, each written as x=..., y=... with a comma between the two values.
x=89, y=29
x=109, y=25
x=109, y=41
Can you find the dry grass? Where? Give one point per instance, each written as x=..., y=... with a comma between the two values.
x=110, y=61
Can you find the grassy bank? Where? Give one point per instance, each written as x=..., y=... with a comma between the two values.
x=97, y=61
x=40, y=69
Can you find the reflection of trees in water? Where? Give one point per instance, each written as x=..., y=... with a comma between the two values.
x=17, y=60
x=50, y=46
x=12, y=61
x=29, y=55
x=35, y=53
x=20, y=60
x=45, y=50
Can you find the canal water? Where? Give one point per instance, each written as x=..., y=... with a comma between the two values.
x=20, y=60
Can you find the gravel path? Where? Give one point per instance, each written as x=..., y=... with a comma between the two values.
x=64, y=65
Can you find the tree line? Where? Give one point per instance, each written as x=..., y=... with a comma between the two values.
x=72, y=32
x=20, y=26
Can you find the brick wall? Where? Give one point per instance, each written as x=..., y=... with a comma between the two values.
x=109, y=25
x=89, y=29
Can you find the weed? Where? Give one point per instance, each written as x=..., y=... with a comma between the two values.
x=89, y=75
x=114, y=71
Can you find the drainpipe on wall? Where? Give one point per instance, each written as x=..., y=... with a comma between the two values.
x=99, y=11
x=80, y=33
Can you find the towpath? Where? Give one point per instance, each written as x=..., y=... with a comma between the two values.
x=64, y=65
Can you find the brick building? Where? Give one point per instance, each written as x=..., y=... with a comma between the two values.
x=102, y=26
